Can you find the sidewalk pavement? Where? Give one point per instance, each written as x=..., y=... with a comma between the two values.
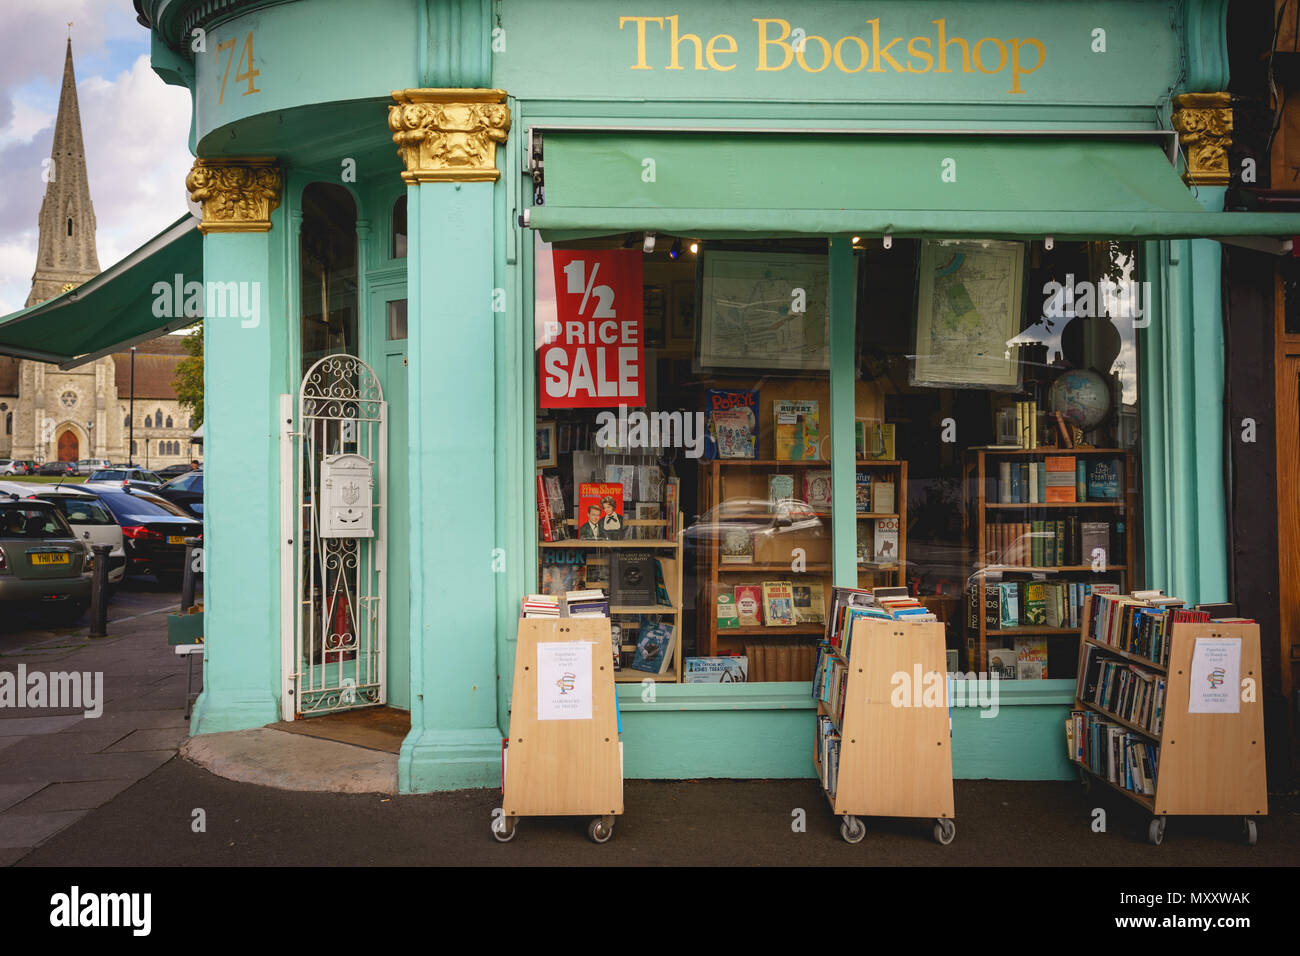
x=57, y=765
x=113, y=792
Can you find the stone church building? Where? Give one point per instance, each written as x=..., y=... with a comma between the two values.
x=48, y=413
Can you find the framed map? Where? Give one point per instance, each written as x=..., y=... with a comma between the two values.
x=968, y=304
x=763, y=310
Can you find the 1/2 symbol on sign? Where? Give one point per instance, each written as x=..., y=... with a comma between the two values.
x=575, y=286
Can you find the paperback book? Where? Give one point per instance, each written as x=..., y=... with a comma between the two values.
x=730, y=423
x=795, y=430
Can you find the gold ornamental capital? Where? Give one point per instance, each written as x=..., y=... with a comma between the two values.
x=449, y=135
x=1204, y=125
x=238, y=195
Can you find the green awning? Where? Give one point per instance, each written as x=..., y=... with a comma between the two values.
x=913, y=185
x=116, y=308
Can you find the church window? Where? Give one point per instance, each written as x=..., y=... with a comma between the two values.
x=9, y=423
x=69, y=225
x=69, y=399
x=169, y=421
x=148, y=421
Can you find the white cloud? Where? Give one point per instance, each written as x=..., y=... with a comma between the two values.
x=135, y=129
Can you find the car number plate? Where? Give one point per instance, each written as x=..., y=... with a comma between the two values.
x=176, y=539
x=51, y=558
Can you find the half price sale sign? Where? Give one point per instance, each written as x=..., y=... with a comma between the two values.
x=592, y=355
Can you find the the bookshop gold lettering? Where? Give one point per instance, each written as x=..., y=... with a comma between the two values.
x=872, y=50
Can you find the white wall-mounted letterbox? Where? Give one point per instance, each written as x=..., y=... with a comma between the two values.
x=347, y=485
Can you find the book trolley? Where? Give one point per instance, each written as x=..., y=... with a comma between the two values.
x=895, y=749
x=562, y=766
x=1209, y=764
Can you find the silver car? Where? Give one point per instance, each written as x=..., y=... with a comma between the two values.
x=42, y=561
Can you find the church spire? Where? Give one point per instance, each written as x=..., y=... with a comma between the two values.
x=66, y=251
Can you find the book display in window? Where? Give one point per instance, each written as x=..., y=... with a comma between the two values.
x=881, y=505
x=1045, y=528
x=1161, y=713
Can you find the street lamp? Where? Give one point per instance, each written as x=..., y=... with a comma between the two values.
x=90, y=434
x=130, y=416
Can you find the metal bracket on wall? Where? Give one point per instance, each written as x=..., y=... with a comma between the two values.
x=534, y=165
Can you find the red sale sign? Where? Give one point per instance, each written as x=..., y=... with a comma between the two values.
x=591, y=355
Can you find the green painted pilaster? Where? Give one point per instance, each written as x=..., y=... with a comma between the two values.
x=454, y=740
x=244, y=375
x=1182, y=376
x=844, y=531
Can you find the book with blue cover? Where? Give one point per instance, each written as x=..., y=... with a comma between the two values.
x=1103, y=480
x=654, y=648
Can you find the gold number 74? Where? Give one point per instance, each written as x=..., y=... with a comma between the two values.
x=246, y=70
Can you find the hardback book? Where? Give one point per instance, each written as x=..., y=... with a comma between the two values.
x=544, y=526
x=780, y=488
x=866, y=543
x=727, y=616
x=1002, y=662
x=632, y=578
x=600, y=511
x=1103, y=479
x=1060, y=479
x=992, y=607
x=749, y=604
x=1080, y=480
x=716, y=670
x=809, y=603
x=1094, y=536
x=817, y=489
x=555, y=499
x=1004, y=482
x=730, y=423
x=1031, y=658
x=885, y=541
x=662, y=596
x=1035, y=603
x=1009, y=604
x=883, y=441
x=882, y=497
x=672, y=493
x=562, y=569
x=737, y=546
x=778, y=603
x=654, y=648
x=795, y=430
x=616, y=639
x=863, y=492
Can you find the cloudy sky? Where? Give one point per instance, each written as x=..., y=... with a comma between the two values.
x=135, y=129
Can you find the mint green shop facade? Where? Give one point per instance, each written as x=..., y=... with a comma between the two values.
x=752, y=134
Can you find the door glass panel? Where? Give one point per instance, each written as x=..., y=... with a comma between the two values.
x=396, y=319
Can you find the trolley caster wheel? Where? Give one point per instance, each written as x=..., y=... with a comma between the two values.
x=852, y=829
x=504, y=828
x=599, y=831
x=1156, y=831
x=1248, y=831
x=944, y=831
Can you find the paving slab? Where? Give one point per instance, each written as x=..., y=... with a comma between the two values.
x=273, y=758
x=91, y=740
x=32, y=829
x=60, y=767
x=23, y=726
x=165, y=738
x=11, y=793
x=72, y=796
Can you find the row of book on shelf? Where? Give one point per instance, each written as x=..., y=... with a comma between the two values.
x=630, y=576
x=1113, y=752
x=731, y=428
x=1013, y=604
x=1017, y=426
x=817, y=490
x=826, y=745
x=603, y=508
x=771, y=604
x=1056, y=479
x=1140, y=623
x=655, y=639
x=1056, y=543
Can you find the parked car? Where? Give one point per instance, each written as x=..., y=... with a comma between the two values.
x=153, y=529
x=29, y=466
x=89, y=466
x=139, y=477
x=42, y=561
x=10, y=466
x=57, y=468
x=185, y=490
x=87, y=515
x=171, y=471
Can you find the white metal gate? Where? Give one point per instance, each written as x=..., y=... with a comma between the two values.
x=335, y=459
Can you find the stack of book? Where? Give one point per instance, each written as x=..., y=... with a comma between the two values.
x=589, y=603
x=904, y=608
x=1111, y=751
x=1138, y=623
x=540, y=605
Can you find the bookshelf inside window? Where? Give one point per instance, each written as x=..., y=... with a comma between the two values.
x=1037, y=552
x=789, y=542
x=629, y=617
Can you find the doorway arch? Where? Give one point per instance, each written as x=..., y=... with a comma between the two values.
x=69, y=445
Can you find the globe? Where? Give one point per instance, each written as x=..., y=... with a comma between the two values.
x=1082, y=396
